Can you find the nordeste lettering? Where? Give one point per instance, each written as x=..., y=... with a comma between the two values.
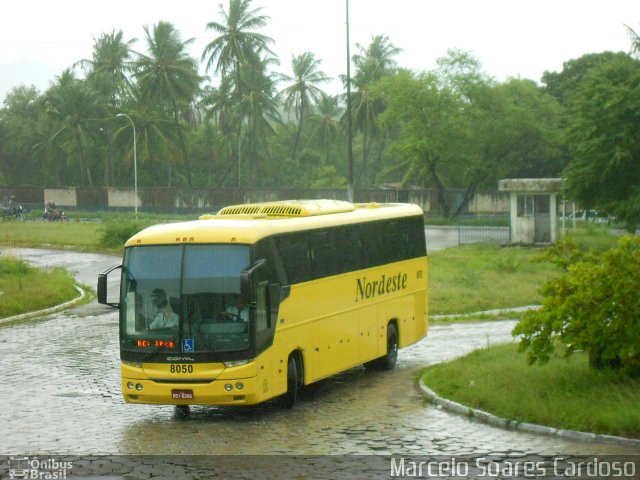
x=370, y=288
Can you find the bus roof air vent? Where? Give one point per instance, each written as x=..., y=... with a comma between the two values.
x=290, y=208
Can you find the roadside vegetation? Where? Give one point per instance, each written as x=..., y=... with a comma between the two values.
x=24, y=288
x=577, y=364
x=565, y=393
x=480, y=277
x=84, y=231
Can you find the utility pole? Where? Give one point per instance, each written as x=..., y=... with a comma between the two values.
x=350, y=186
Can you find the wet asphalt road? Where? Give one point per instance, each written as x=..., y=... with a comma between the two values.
x=61, y=395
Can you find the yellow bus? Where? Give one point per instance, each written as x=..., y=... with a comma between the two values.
x=261, y=299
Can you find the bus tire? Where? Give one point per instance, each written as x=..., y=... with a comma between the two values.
x=183, y=411
x=387, y=361
x=290, y=398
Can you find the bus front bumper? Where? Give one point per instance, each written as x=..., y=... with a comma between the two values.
x=218, y=392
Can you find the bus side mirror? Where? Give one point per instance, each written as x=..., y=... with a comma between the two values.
x=102, y=289
x=247, y=279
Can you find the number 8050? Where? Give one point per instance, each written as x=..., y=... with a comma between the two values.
x=181, y=368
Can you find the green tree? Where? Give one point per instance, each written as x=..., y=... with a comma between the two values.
x=372, y=64
x=565, y=83
x=19, y=124
x=107, y=73
x=109, y=66
x=604, y=138
x=325, y=124
x=219, y=105
x=304, y=92
x=237, y=45
x=592, y=306
x=156, y=145
x=168, y=77
x=259, y=107
x=73, y=109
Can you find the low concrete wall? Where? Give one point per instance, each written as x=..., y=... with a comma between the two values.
x=210, y=200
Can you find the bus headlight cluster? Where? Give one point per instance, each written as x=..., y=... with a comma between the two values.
x=228, y=387
x=138, y=386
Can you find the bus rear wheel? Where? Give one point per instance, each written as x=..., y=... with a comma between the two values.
x=289, y=399
x=387, y=361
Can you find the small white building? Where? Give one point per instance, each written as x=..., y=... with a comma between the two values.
x=533, y=208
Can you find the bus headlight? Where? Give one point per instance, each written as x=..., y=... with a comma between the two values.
x=138, y=386
x=228, y=387
x=239, y=385
x=237, y=363
x=130, y=385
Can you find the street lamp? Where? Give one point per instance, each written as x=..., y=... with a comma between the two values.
x=135, y=160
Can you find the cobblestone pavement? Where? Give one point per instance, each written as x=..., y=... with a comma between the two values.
x=61, y=395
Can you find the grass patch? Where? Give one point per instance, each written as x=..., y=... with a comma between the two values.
x=565, y=393
x=478, y=277
x=81, y=235
x=24, y=288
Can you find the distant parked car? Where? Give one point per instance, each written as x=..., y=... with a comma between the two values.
x=587, y=216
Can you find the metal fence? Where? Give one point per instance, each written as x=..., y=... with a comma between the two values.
x=489, y=229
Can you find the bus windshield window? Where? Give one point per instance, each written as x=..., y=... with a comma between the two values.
x=215, y=319
x=189, y=292
x=152, y=291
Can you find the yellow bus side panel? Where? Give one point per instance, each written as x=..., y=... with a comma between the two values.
x=341, y=321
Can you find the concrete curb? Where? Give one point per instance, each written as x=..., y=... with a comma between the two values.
x=523, y=426
x=47, y=311
x=498, y=311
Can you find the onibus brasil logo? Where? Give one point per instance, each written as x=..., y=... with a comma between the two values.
x=37, y=468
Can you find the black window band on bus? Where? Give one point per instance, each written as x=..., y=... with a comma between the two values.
x=331, y=251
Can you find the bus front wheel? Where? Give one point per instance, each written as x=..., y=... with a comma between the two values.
x=290, y=398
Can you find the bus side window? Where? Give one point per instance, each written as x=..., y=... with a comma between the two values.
x=262, y=306
x=322, y=247
x=294, y=251
x=373, y=249
x=348, y=248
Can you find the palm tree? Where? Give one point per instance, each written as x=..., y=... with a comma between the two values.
x=238, y=44
x=259, y=107
x=219, y=106
x=155, y=140
x=635, y=40
x=300, y=95
x=325, y=123
x=168, y=76
x=379, y=54
x=372, y=63
x=73, y=109
x=107, y=73
x=107, y=70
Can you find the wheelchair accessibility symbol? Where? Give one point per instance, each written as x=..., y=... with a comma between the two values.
x=187, y=345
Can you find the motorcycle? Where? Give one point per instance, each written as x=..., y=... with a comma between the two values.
x=53, y=214
x=16, y=212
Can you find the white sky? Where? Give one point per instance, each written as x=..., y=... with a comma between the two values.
x=512, y=38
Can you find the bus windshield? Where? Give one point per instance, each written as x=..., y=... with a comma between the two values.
x=184, y=298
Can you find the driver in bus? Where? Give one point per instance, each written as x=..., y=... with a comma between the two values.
x=238, y=311
x=166, y=317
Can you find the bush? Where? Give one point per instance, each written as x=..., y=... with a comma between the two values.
x=115, y=232
x=593, y=306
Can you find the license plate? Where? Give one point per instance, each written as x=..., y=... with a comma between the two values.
x=182, y=394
